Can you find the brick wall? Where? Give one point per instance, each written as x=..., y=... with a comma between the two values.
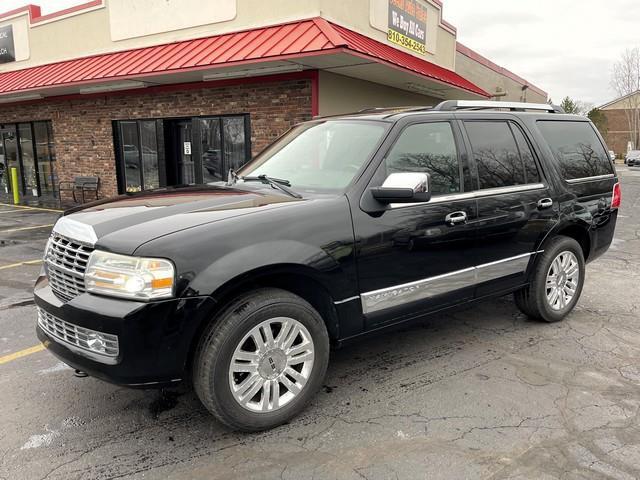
x=617, y=133
x=83, y=130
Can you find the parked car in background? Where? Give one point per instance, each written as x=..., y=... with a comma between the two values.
x=344, y=226
x=632, y=158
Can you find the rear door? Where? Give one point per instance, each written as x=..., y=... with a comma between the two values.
x=516, y=205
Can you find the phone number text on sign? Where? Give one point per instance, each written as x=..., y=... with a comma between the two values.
x=406, y=42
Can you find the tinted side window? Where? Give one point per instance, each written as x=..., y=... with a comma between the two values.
x=530, y=168
x=429, y=148
x=577, y=149
x=496, y=154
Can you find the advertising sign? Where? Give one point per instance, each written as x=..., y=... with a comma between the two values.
x=408, y=25
x=7, y=48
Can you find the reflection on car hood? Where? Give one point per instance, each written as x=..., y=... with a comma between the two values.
x=123, y=223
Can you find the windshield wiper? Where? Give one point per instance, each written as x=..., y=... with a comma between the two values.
x=279, y=183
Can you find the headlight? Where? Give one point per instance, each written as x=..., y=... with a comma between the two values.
x=136, y=278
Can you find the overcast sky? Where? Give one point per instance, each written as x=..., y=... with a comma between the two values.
x=565, y=47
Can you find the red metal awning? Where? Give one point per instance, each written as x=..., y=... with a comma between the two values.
x=281, y=42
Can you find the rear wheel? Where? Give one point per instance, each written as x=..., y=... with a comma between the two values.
x=261, y=360
x=556, y=282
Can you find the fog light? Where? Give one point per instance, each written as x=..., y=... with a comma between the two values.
x=96, y=342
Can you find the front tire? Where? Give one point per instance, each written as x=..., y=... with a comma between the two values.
x=556, y=281
x=261, y=360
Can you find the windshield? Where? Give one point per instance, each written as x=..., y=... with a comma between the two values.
x=321, y=157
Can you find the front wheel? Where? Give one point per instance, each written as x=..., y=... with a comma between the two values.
x=261, y=360
x=556, y=282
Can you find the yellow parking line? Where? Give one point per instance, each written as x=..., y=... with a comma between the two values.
x=13, y=265
x=31, y=208
x=26, y=228
x=21, y=353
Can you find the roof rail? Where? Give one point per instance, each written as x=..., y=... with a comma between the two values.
x=452, y=105
x=409, y=108
x=374, y=110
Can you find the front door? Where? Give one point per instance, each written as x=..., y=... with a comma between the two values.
x=186, y=165
x=413, y=258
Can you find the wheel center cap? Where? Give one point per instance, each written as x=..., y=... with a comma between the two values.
x=562, y=278
x=272, y=364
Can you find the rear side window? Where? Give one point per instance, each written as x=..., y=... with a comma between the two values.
x=577, y=149
x=428, y=148
x=496, y=154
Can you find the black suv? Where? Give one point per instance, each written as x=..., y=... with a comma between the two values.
x=344, y=226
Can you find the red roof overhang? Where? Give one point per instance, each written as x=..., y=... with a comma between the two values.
x=290, y=41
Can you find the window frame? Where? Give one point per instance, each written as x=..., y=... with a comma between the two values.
x=460, y=154
x=534, y=155
x=512, y=123
x=472, y=158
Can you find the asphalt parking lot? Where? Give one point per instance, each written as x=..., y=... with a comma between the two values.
x=479, y=393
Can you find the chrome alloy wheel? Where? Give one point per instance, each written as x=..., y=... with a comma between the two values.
x=271, y=364
x=562, y=280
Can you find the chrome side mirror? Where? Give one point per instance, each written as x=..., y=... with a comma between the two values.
x=405, y=187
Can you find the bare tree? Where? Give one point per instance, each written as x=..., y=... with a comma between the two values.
x=626, y=83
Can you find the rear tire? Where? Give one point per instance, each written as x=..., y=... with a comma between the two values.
x=556, y=281
x=261, y=360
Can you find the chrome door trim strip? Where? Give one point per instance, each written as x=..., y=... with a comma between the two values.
x=590, y=179
x=502, y=268
x=388, y=297
x=350, y=299
x=414, y=291
x=475, y=194
x=512, y=189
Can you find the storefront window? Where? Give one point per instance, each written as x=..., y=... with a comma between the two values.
x=10, y=155
x=234, y=142
x=29, y=148
x=45, y=154
x=149, y=152
x=154, y=153
x=131, y=156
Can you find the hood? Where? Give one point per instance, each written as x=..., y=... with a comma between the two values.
x=123, y=223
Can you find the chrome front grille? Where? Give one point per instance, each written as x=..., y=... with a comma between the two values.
x=66, y=261
x=102, y=347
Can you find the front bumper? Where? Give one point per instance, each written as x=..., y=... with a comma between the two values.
x=154, y=339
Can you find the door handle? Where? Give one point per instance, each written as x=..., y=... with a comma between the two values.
x=456, y=218
x=545, y=203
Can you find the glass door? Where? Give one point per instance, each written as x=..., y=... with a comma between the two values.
x=27, y=155
x=46, y=156
x=211, y=136
x=186, y=170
